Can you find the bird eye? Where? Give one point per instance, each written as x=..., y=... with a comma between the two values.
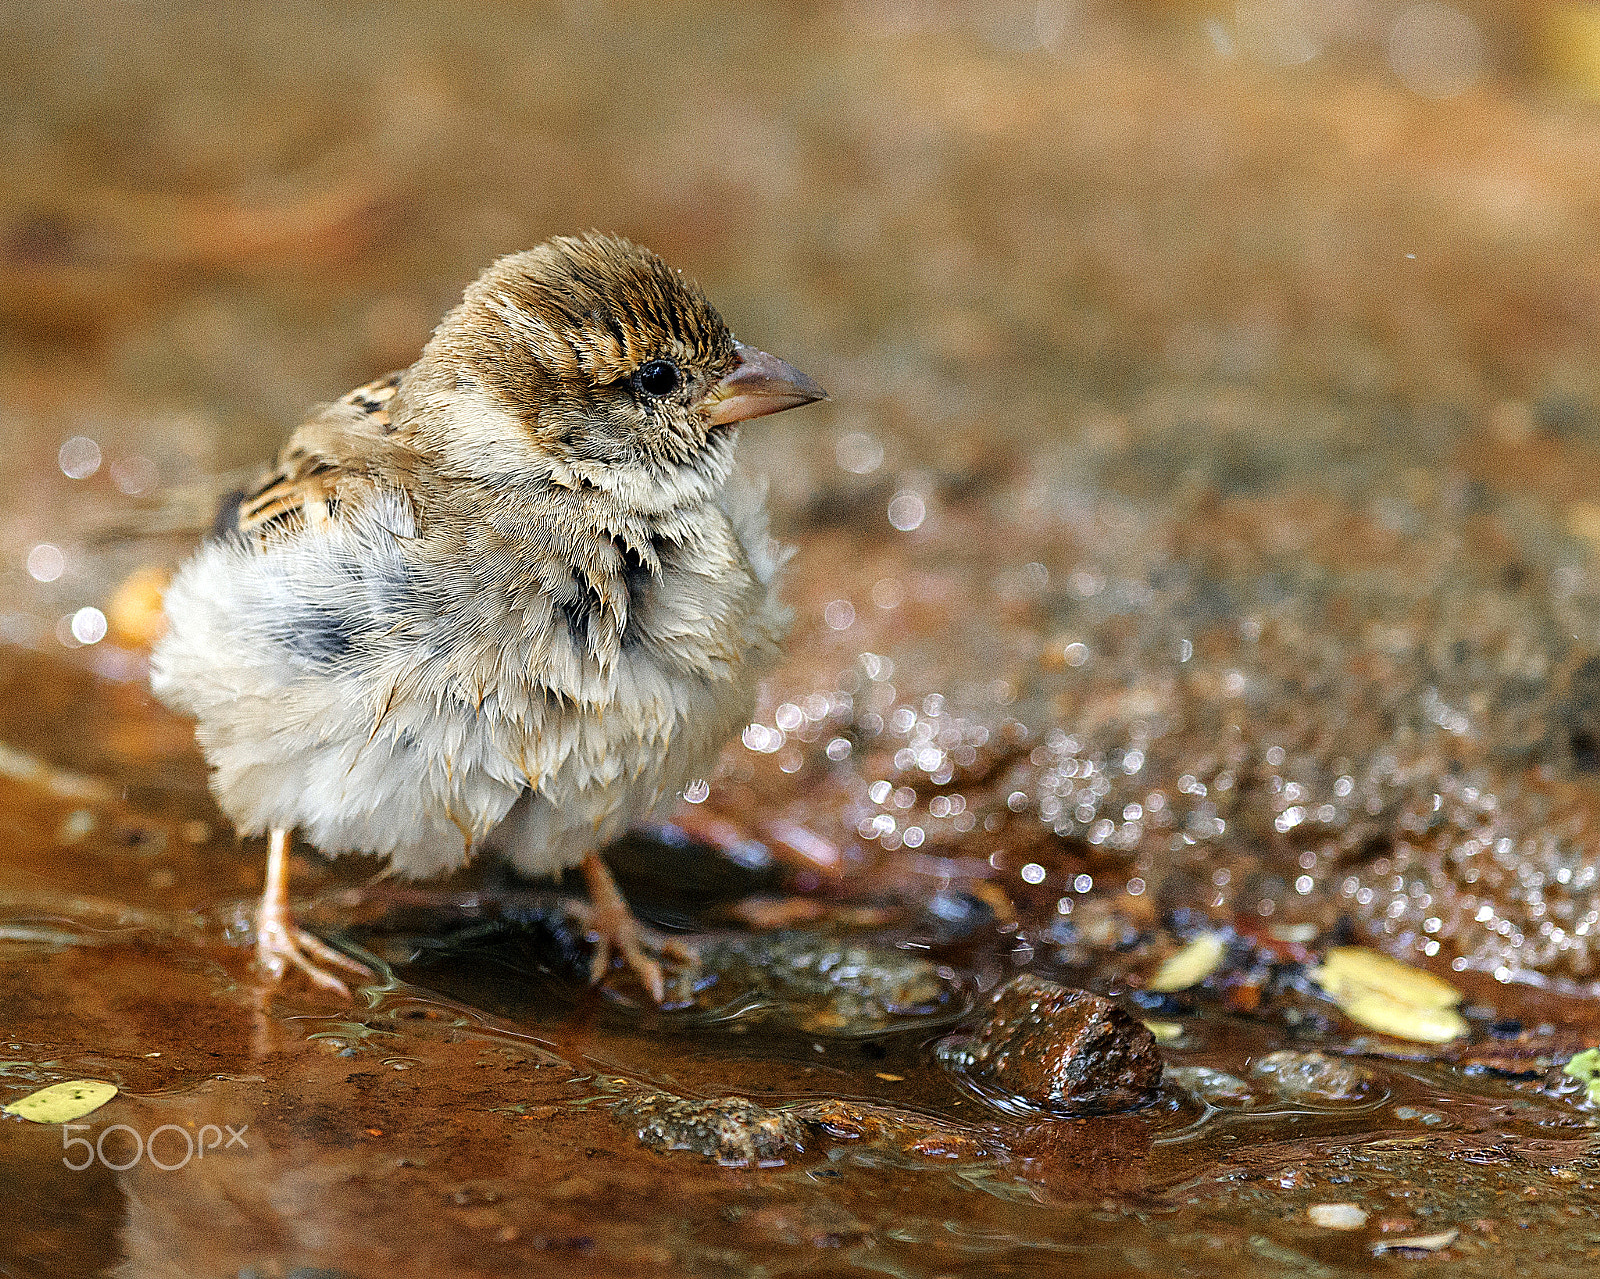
x=659, y=377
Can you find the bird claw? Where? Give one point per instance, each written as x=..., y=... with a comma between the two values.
x=614, y=931
x=616, y=934
x=280, y=943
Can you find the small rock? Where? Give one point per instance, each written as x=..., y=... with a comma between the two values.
x=732, y=1130
x=1215, y=1087
x=821, y=984
x=891, y=1130
x=1314, y=1076
x=1051, y=1048
x=951, y=917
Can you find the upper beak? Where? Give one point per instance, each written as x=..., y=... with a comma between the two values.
x=759, y=384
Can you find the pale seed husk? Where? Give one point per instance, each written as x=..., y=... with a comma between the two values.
x=1380, y=1011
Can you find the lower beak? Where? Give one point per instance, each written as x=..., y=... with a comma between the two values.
x=759, y=384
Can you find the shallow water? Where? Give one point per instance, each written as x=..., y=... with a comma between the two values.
x=1202, y=537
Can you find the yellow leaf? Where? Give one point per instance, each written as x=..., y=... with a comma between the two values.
x=1390, y=997
x=62, y=1102
x=1378, y=1010
x=1191, y=965
x=1344, y=967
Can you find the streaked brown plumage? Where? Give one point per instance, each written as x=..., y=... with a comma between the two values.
x=513, y=595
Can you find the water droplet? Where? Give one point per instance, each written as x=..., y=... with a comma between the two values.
x=764, y=740
x=134, y=474
x=907, y=510
x=88, y=625
x=46, y=562
x=79, y=458
x=858, y=453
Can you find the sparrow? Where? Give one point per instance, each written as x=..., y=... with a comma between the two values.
x=511, y=598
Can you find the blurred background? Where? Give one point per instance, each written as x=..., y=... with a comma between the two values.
x=1310, y=224
x=1151, y=328
x=1262, y=333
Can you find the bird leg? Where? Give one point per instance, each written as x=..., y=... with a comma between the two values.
x=615, y=930
x=280, y=942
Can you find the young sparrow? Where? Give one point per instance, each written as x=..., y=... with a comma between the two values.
x=512, y=596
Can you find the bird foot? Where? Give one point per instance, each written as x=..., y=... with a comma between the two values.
x=280, y=943
x=616, y=934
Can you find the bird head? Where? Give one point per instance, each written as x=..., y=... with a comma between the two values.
x=590, y=363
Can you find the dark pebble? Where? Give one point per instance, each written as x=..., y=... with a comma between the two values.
x=1052, y=1048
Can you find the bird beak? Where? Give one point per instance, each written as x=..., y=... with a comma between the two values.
x=759, y=384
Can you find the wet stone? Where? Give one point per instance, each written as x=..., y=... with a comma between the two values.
x=825, y=985
x=1315, y=1077
x=815, y=982
x=952, y=917
x=1048, y=1047
x=734, y=1131
x=1212, y=1086
x=891, y=1131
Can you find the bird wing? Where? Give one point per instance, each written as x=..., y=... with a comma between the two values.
x=326, y=461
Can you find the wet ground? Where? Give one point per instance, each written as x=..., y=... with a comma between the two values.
x=1198, y=564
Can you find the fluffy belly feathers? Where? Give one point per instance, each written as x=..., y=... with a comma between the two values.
x=331, y=696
